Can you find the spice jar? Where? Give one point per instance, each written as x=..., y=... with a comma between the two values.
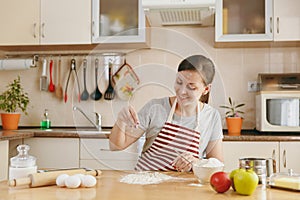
x=23, y=164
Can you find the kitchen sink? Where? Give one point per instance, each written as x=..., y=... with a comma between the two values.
x=69, y=131
x=76, y=130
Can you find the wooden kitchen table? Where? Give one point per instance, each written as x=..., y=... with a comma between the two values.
x=109, y=187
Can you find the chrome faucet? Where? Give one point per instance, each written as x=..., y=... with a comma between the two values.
x=97, y=125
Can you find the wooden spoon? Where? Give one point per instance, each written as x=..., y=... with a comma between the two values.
x=59, y=90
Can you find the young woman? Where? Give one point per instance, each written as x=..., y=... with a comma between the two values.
x=178, y=129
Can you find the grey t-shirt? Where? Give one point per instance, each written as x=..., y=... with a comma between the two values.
x=154, y=114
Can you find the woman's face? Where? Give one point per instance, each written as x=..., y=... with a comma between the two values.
x=189, y=87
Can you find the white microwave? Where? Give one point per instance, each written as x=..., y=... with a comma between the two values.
x=278, y=111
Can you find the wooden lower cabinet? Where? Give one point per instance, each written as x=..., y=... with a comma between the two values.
x=56, y=153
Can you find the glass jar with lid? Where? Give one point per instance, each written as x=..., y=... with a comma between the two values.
x=23, y=164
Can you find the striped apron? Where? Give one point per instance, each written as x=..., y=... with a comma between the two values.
x=170, y=139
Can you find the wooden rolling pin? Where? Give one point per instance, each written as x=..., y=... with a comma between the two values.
x=49, y=177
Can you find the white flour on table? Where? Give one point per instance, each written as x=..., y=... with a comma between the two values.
x=144, y=178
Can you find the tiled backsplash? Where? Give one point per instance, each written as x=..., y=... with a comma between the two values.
x=156, y=68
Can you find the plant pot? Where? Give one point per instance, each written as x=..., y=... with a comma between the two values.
x=10, y=121
x=234, y=125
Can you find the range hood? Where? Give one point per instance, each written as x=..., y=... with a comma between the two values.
x=179, y=12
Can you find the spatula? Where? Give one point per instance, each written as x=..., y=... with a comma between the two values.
x=85, y=94
x=110, y=92
x=43, y=79
x=51, y=85
x=96, y=95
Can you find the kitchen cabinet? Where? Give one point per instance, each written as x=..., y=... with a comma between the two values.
x=95, y=153
x=118, y=21
x=44, y=22
x=289, y=156
x=54, y=152
x=4, y=160
x=257, y=20
x=284, y=153
x=286, y=20
x=235, y=150
x=65, y=22
x=243, y=20
x=19, y=21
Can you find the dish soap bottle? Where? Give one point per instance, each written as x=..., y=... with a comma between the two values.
x=45, y=123
x=23, y=164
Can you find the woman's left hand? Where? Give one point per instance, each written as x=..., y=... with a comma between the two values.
x=183, y=162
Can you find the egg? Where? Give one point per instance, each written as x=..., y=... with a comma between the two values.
x=73, y=181
x=89, y=181
x=80, y=176
x=60, y=180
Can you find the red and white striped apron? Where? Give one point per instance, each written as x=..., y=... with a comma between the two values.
x=170, y=139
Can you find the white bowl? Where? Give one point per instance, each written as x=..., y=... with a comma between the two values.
x=204, y=172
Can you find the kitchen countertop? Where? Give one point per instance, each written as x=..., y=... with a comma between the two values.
x=254, y=135
x=109, y=187
x=13, y=135
x=246, y=135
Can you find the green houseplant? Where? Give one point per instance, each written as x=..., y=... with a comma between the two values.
x=12, y=100
x=234, y=119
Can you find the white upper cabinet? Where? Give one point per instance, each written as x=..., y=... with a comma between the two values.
x=286, y=20
x=65, y=22
x=257, y=20
x=35, y=22
x=19, y=21
x=243, y=20
x=118, y=21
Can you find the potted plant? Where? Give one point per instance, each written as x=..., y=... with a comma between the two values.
x=12, y=100
x=234, y=120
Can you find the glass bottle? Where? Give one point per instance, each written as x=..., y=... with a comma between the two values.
x=45, y=123
x=23, y=164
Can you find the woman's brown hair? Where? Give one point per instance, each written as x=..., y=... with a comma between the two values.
x=204, y=66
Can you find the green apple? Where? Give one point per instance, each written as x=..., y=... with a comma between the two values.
x=245, y=181
x=231, y=175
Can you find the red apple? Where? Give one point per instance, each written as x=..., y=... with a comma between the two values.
x=220, y=182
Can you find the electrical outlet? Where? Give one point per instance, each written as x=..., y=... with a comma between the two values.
x=252, y=86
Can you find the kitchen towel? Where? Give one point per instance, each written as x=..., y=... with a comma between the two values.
x=290, y=112
x=16, y=64
x=293, y=114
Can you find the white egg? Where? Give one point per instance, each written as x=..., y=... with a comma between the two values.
x=89, y=181
x=60, y=180
x=80, y=176
x=73, y=182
